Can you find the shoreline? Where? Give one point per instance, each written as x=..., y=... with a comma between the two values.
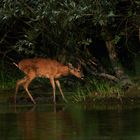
x=131, y=97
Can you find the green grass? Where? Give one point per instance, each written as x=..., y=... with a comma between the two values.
x=6, y=82
x=92, y=88
x=96, y=89
x=8, y=75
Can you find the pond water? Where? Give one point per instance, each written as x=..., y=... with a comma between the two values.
x=69, y=122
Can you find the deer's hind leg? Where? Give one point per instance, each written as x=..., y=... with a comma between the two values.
x=19, y=82
x=31, y=75
x=25, y=83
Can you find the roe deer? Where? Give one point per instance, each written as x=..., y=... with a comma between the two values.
x=41, y=67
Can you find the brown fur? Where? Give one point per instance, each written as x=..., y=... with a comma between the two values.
x=41, y=67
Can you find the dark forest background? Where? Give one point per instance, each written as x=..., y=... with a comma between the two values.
x=102, y=35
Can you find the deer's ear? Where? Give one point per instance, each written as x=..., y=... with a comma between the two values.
x=79, y=66
x=70, y=66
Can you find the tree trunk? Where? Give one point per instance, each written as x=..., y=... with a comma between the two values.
x=124, y=80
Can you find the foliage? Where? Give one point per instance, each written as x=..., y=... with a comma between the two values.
x=67, y=30
x=44, y=26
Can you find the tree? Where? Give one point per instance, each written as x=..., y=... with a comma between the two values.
x=60, y=28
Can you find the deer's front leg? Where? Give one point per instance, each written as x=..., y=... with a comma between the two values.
x=60, y=89
x=53, y=86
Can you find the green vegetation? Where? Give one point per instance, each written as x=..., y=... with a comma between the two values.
x=8, y=75
x=103, y=36
x=97, y=89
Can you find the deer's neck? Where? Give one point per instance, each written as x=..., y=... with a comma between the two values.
x=65, y=71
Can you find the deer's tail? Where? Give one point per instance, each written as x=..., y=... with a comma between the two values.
x=15, y=64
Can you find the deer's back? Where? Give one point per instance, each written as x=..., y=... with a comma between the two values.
x=43, y=67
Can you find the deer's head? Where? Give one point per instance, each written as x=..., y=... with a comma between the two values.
x=76, y=71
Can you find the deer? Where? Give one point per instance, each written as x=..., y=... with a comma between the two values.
x=46, y=68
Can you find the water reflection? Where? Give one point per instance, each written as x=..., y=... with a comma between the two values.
x=46, y=122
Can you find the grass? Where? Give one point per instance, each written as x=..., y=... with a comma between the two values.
x=89, y=90
x=96, y=89
x=8, y=75
x=92, y=89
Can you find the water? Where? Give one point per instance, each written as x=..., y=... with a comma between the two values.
x=73, y=122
